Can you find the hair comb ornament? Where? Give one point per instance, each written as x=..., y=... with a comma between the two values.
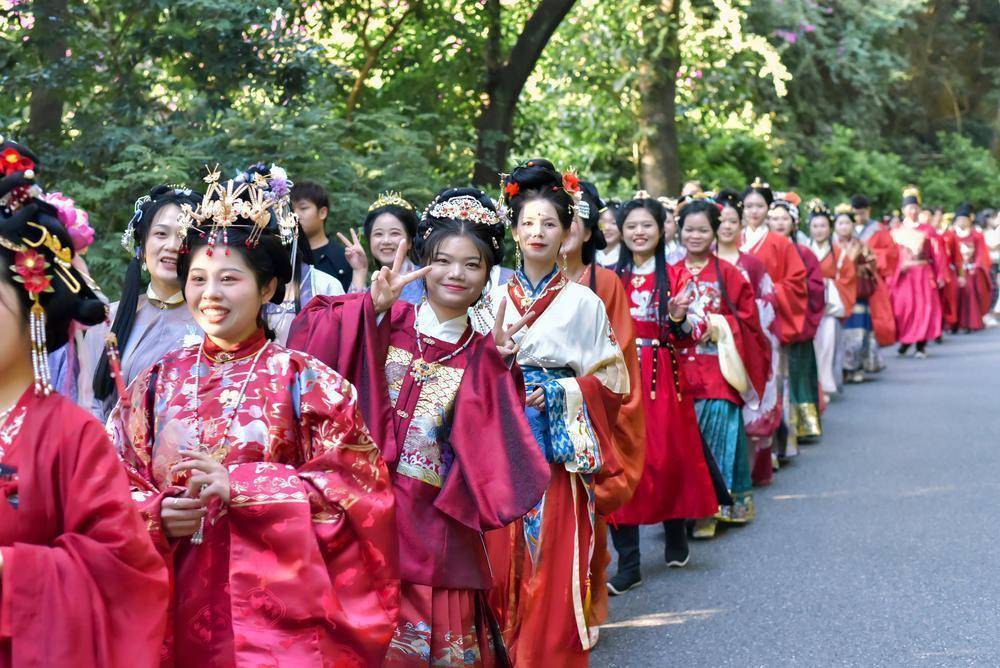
x=844, y=209
x=757, y=183
x=390, y=198
x=818, y=207
x=465, y=207
x=13, y=162
x=642, y=194
x=254, y=196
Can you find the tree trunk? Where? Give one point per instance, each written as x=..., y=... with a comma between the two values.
x=46, y=107
x=661, y=162
x=505, y=79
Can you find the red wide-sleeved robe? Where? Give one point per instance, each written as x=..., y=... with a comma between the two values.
x=788, y=275
x=82, y=584
x=629, y=433
x=916, y=299
x=462, y=458
x=300, y=568
x=676, y=481
x=975, y=287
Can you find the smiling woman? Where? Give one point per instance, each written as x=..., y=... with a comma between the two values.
x=438, y=397
x=252, y=466
x=148, y=322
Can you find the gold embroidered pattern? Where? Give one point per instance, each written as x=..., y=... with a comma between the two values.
x=421, y=453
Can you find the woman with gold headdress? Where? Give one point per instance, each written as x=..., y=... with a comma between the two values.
x=252, y=466
x=80, y=581
x=920, y=275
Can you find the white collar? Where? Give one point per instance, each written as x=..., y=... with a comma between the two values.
x=176, y=298
x=647, y=267
x=821, y=251
x=961, y=234
x=752, y=237
x=449, y=331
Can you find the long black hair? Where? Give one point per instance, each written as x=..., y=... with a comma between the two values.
x=146, y=209
x=626, y=261
x=594, y=205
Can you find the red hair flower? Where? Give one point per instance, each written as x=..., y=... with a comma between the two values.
x=571, y=182
x=512, y=189
x=30, y=267
x=12, y=162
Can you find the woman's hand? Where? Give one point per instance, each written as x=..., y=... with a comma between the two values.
x=504, y=336
x=208, y=477
x=678, y=306
x=181, y=516
x=388, y=283
x=356, y=257
x=536, y=400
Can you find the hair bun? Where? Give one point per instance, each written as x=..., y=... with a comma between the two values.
x=536, y=173
x=89, y=311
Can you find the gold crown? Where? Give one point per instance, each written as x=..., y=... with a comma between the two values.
x=256, y=201
x=844, y=208
x=757, y=183
x=390, y=198
x=911, y=191
x=816, y=205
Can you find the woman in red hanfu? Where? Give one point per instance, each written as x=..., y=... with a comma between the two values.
x=728, y=366
x=788, y=275
x=763, y=419
x=920, y=275
x=972, y=260
x=80, y=582
x=840, y=279
x=583, y=243
x=449, y=414
x=576, y=378
x=253, y=469
x=677, y=482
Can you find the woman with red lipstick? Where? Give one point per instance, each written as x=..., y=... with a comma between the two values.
x=253, y=469
x=576, y=378
x=147, y=322
x=677, y=479
x=439, y=399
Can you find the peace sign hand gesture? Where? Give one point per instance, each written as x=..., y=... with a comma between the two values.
x=388, y=283
x=678, y=306
x=354, y=252
x=504, y=336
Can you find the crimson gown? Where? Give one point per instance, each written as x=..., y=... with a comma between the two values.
x=82, y=583
x=676, y=481
x=788, y=274
x=972, y=258
x=300, y=568
x=461, y=456
x=916, y=300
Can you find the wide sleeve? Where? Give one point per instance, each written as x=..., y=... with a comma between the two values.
x=751, y=343
x=315, y=525
x=346, y=334
x=791, y=294
x=630, y=427
x=847, y=282
x=131, y=428
x=99, y=590
x=499, y=473
x=353, y=510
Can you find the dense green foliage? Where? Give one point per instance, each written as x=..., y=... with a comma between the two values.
x=827, y=98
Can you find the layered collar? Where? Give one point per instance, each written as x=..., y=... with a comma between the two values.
x=246, y=348
x=173, y=301
x=449, y=331
x=752, y=237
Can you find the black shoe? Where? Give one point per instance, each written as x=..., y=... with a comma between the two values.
x=903, y=349
x=622, y=582
x=677, y=557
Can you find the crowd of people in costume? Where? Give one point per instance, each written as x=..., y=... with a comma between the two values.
x=405, y=447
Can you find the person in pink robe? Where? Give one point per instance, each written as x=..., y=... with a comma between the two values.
x=449, y=413
x=253, y=469
x=921, y=273
x=80, y=582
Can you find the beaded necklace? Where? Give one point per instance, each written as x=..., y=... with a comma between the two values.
x=422, y=370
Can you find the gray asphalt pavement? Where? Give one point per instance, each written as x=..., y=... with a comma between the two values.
x=879, y=546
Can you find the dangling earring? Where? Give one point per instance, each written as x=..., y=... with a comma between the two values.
x=517, y=255
x=144, y=270
x=565, y=265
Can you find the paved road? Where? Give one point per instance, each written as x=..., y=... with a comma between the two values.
x=880, y=546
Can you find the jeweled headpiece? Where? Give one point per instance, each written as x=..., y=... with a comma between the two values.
x=844, y=209
x=251, y=201
x=390, y=198
x=758, y=184
x=818, y=207
x=464, y=207
x=789, y=201
x=16, y=159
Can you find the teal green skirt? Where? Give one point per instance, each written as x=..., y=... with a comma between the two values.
x=721, y=425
